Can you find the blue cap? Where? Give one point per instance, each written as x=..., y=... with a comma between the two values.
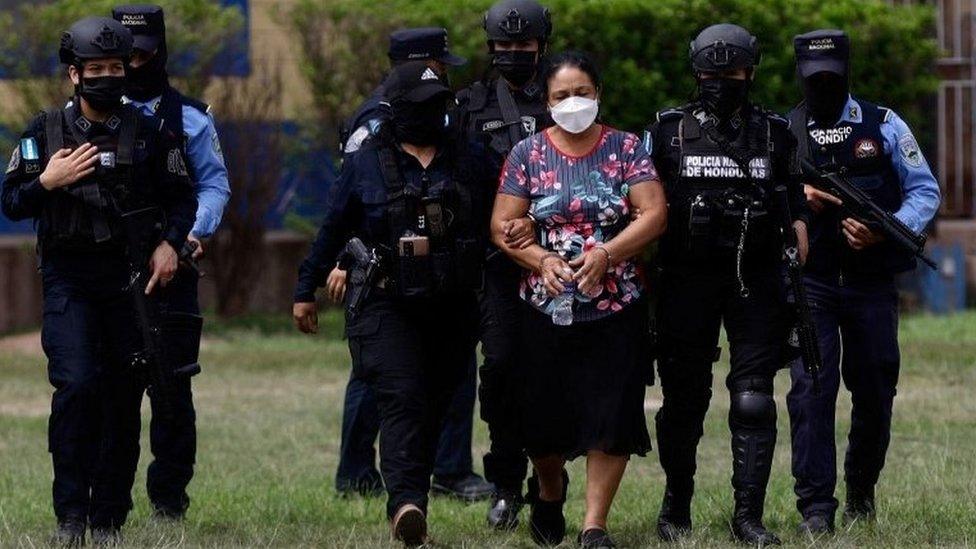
x=421, y=44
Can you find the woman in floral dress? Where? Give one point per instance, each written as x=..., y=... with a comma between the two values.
x=583, y=387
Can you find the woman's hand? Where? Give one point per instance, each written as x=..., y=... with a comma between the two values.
x=590, y=268
x=519, y=233
x=336, y=285
x=306, y=317
x=555, y=272
x=66, y=166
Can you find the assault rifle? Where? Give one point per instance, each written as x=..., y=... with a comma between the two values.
x=857, y=204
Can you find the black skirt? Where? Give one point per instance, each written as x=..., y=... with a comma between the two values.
x=583, y=385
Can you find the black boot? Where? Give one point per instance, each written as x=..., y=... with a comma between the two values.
x=816, y=525
x=859, y=505
x=70, y=533
x=674, y=520
x=468, y=487
x=752, y=419
x=106, y=536
x=504, y=509
x=546, y=521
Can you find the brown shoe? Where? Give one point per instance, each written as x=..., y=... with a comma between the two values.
x=409, y=525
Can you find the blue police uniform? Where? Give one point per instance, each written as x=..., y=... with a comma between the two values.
x=173, y=442
x=855, y=302
x=89, y=328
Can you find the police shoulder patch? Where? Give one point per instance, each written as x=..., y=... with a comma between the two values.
x=355, y=140
x=14, y=160
x=175, y=164
x=28, y=149
x=910, y=151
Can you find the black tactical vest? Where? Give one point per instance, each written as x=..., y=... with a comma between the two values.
x=442, y=210
x=502, y=118
x=85, y=216
x=170, y=109
x=715, y=210
x=859, y=150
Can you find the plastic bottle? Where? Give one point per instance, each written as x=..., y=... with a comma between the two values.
x=562, y=311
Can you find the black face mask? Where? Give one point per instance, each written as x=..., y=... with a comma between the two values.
x=723, y=96
x=148, y=80
x=103, y=93
x=518, y=67
x=825, y=95
x=419, y=123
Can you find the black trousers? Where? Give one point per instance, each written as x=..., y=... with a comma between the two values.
x=413, y=353
x=173, y=441
x=694, y=303
x=88, y=334
x=501, y=311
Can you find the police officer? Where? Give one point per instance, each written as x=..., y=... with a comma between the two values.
x=453, y=474
x=173, y=441
x=75, y=171
x=498, y=112
x=426, y=43
x=407, y=194
x=850, y=279
x=722, y=158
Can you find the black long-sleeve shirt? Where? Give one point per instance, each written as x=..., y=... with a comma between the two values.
x=159, y=175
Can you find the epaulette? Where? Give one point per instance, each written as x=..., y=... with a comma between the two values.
x=776, y=118
x=196, y=104
x=886, y=114
x=668, y=114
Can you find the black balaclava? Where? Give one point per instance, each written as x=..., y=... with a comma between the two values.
x=826, y=95
x=148, y=80
x=518, y=67
x=419, y=123
x=723, y=96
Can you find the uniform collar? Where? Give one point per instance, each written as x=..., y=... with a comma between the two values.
x=153, y=103
x=852, y=113
x=84, y=125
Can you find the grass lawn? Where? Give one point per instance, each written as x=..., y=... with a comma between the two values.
x=269, y=405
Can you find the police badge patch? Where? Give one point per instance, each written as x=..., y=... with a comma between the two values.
x=866, y=148
x=910, y=151
x=175, y=164
x=14, y=160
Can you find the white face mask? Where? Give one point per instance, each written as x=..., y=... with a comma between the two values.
x=575, y=114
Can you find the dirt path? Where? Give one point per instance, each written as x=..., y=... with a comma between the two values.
x=22, y=344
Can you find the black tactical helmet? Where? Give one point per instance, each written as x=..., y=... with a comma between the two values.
x=514, y=20
x=95, y=38
x=724, y=47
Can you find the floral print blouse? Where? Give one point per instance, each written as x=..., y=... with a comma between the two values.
x=579, y=202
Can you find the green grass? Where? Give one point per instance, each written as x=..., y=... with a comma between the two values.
x=269, y=405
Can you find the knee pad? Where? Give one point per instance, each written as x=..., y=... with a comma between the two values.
x=753, y=406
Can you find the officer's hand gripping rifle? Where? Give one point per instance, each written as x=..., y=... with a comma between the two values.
x=142, y=228
x=806, y=331
x=363, y=266
x=860, y=206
